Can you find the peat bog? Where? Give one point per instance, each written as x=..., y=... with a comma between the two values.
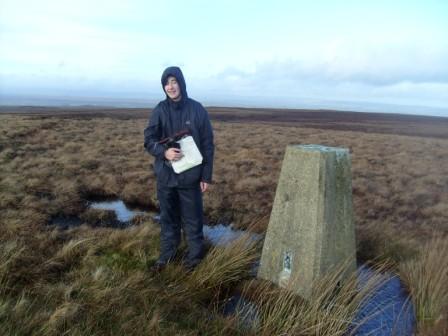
x=56, y=161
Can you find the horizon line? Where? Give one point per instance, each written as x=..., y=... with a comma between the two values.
x=36, y=100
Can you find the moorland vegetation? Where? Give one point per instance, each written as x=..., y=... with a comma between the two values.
x=92, y=279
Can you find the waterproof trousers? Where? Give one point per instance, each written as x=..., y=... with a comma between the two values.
x=181, y=207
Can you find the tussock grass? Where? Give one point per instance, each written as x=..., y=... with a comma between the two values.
x=17, y=266
x=426, y=277
x=223, y=267
x=68, y=256
x=398, y=181
x=10, y=253
x=98, y=284
x=330, y=309
x=71, y=282
x=379, y=244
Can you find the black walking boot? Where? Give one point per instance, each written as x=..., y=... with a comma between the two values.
x=157, y=267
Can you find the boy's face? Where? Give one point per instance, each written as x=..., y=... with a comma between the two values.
x=172, y=88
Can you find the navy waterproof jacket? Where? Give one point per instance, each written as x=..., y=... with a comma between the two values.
x=170, y=117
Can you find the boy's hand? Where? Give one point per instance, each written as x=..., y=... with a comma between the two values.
x=173, y=154
x=204, y=186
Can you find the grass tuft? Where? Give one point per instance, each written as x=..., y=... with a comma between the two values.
x=330, y=310
x=426, y=278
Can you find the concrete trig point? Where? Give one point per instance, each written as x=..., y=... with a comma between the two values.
x=311, y=227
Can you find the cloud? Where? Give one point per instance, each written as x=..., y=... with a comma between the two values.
x=118, y=45
x=391, y=78
x=73, y=38
x=377, y=67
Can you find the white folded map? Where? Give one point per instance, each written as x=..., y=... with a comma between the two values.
x=191, y=155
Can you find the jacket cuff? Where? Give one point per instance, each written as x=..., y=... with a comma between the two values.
x=159, y=151
x=207, y=179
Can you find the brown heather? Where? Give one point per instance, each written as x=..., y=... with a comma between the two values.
x=93, y=280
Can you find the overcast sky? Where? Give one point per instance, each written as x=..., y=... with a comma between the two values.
x=392, y=52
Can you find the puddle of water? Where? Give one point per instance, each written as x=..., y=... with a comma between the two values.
x=247, y=312
x=389, y=308
x=219, y=235
x=65, y=222
x=124, y=214
x=387, y=312
x=389, y=305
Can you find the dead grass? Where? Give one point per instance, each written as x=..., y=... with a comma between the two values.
x=54, y=282
x=398, y=181
x=98, y=284
x=426, y=277
x=330, y=310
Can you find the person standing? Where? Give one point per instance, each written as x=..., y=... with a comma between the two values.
x=179, y=195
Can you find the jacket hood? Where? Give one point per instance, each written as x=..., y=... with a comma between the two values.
x=177, y=73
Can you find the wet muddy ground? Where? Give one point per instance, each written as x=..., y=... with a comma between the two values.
x=387, y=312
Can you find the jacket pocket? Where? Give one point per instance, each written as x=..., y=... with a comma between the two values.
x=158, y=167
x=191, y=176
